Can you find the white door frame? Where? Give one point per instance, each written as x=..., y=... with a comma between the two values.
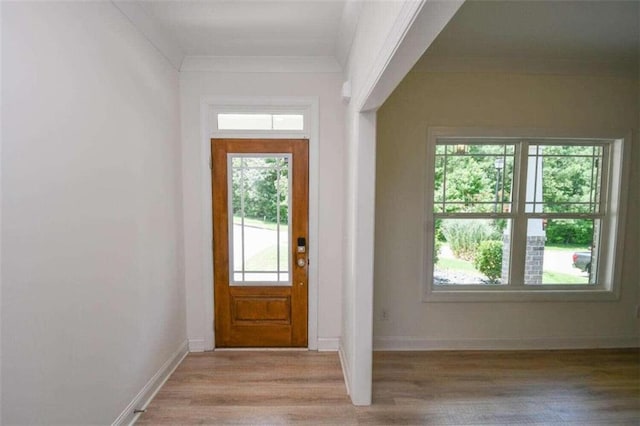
x=415, y=28
x=309, y=106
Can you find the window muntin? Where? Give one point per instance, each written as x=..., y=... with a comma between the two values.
x=578, y=164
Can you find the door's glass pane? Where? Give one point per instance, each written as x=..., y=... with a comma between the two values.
x=561, y=251
x=259, y=203
x=471, y=251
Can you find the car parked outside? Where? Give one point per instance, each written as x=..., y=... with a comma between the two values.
x=582, y=260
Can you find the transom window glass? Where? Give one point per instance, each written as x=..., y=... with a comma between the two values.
x=256, y=121
x=486, y=234
x=259, y=203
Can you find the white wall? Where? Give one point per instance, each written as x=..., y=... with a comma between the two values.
x=467, y=99
x=326, y=86
x=92, y=281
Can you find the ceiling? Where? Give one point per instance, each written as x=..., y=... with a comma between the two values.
x=250, y=28
x=533, y=31
x=584, y=30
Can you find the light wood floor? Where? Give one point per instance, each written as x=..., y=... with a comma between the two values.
x=449, y=388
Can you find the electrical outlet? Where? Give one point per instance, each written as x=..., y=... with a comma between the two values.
x=384, y=315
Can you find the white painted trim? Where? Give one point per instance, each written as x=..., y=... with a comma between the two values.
x=346, y=34
x=346, y=371
x=311, y=104
x=524, y=65
x=328, y=344
x=149, y=28
x=416, y=27
x=261, y=64
x=387, y=70
x=409, y=343
x=364, y=238
x=149, y=391
x=197, y=345
x=407, y=15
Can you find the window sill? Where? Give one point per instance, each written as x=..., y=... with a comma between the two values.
x=598, y=294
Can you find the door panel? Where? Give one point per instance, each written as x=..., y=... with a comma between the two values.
x=260, y=213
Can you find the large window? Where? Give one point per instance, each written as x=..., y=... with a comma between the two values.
x=513, y=214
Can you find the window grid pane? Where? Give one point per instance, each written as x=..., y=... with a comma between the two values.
x=473, y=178
x=550, y=262
x=566, y=179
x=259, y=197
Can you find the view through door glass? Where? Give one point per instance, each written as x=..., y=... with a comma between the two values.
x=259, y=202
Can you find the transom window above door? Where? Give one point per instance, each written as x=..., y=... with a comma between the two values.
x=260, y=121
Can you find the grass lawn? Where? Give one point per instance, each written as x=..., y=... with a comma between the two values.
x=560, y=278
x=549, y=277
x=457, y=265
x=265, y=260
x=565, y=247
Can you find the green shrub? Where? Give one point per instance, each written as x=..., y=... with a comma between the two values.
x=437, y=246
x=570, y=231
x=488, y=259
x=464, y=235
x=438, y=231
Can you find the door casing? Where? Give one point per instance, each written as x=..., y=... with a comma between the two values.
x=310, y=107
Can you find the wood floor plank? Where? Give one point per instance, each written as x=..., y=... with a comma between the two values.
x=584, y=387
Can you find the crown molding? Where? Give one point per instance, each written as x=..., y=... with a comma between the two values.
x=151, y=31
x=262, y=64
x=347, y=32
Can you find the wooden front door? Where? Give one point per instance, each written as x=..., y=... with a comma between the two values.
x=260, y=233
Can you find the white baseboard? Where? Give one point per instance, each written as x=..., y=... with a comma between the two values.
x=328, y=344
x=196, y=345
x=346, y=373
x=146, y=394
x=408, y=343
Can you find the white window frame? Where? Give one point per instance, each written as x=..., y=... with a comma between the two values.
x=614, y=193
